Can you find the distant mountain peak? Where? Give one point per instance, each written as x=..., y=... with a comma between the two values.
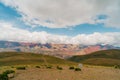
x=53, y=49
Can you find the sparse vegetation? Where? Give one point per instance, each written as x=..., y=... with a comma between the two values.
x=21, y=68
x=48, y=66
x=117, y=66
x=70, y=72
x=12, y=66
x=59, y=68
x=71, y=68
x=37, y=66
x=77, y=69
x=9, y=71
x=4, y=75
x=88, y=73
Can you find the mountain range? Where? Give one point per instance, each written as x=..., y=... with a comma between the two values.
x=58, y=50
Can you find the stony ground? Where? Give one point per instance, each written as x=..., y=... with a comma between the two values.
x=87, y=73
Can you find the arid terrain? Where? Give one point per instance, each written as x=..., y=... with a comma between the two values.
x=44, y=67
x=87, y=73
x=59, y=40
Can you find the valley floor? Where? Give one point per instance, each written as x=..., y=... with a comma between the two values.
x=87, y=73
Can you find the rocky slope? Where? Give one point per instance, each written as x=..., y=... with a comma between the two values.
x=59, y=50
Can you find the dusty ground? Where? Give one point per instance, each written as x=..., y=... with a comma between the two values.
x=87, y=73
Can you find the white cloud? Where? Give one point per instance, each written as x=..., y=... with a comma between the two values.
x=66, y=13
x=98, y=38
x=9, y=32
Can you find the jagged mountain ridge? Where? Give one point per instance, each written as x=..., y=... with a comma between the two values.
x=59, y=50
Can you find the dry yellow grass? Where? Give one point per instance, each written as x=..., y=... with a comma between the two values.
x=87, y=73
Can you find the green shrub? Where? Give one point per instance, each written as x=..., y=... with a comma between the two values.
x=77, y=69
x=4, y=75
x=37, y=66
x=49, y=67
x=59, y=68
x=71, y=68
x=12, y=66
x=21, y=68
x=9, y=71
x=117, y=66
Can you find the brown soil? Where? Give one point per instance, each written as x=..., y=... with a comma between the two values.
x=87, y=73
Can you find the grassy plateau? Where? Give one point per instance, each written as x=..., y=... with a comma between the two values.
x=103, y=58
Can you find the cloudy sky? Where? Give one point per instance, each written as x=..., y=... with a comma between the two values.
x=86, y=22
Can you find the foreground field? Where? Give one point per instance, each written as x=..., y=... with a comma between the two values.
x=87, y=73
x=43, y=67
